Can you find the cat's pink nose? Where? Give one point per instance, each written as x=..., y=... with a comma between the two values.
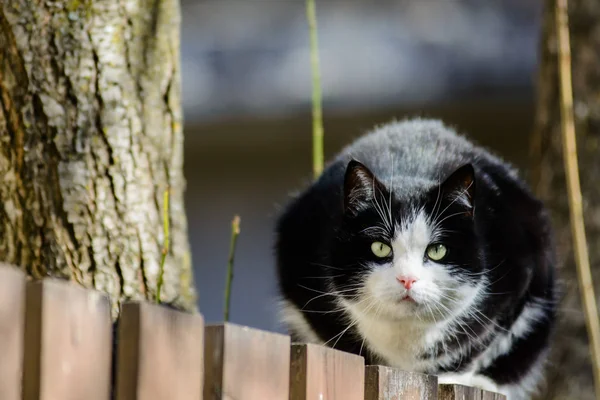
x=407, y=281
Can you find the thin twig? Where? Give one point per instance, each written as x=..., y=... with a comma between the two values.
x=574, y=190
x=166, y=246
x=235, y=231
x=317, y=113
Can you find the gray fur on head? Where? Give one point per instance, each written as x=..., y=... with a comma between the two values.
x=423, y=148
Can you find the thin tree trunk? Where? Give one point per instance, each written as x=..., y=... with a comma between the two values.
x=90, y=138
x=570, y=370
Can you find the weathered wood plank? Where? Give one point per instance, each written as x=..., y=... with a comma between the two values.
x=160, y=354
x=458, y=392
x=384, y=383
x=245, y=363
x=485, y=395
x=320, y=372
x=12, y=325
x=67, y=342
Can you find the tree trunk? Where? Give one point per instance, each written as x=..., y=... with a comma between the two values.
x=569, y=372
x=90, y=138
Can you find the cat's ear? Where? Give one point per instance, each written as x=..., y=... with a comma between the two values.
x=459, y=187
x=360, y=187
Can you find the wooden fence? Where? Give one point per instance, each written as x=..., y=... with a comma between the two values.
x=56, y=342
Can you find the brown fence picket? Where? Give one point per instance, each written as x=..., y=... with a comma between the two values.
x=318, y=372
x=458, y=392
x=383, y=383
x=12, y=324
x=160, y=354
x=246, y=364
x=67, y=342
x=485, y=395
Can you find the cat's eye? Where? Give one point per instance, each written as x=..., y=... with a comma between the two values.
x=436, y=252
x=380, y=250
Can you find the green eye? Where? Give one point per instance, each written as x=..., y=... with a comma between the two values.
x=436, y=252
x=380, y=249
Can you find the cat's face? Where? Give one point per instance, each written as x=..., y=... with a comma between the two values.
x=413, y=258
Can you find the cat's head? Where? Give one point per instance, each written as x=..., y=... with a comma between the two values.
x=407, y=257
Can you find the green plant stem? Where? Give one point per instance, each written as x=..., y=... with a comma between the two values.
x=235, y=231
x=166, y=246
x=317, y=113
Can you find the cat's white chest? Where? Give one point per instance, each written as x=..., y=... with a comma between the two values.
x=399, y=344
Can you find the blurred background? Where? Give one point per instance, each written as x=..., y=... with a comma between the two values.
x=246, y=98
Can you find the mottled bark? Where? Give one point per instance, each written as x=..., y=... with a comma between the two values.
x=569, y=372
x=90, y=137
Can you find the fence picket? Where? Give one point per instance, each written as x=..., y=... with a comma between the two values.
x=67, y=342
x=160, y=354
x=485, y=395
x=382, y=383
x=245, y=363
x=12, y=324
x=320, y=372
x=456, y=392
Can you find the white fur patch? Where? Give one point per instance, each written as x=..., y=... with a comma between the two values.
x=531, y=314
x=293, y=318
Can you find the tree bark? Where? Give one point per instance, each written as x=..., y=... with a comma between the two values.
x=90, y=138
x=570, y=370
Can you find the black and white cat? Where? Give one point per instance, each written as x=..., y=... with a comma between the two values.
x=419, y=250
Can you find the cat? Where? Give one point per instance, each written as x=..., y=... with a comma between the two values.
x=419, y=250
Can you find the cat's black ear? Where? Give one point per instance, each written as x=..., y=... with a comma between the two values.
x=459, y=187
x=360, y=187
